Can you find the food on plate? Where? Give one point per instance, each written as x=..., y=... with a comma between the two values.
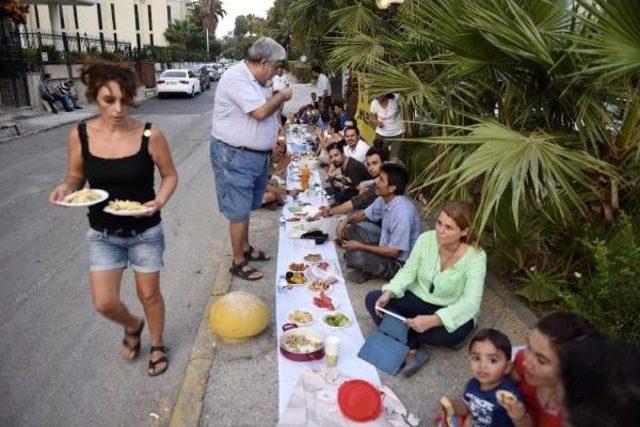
x=296, y=278
x=319, y=286
x=126, y=206
x=297, y=266
x=293, y=219
x=313, y=257
x=324, y=265
x=336, y=320
x=324, y=302
x=81, y=196
x=301, y=317
x=300, y=343
x=506, y=398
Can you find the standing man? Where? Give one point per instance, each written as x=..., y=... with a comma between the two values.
x=244, y=130
x=323, y=86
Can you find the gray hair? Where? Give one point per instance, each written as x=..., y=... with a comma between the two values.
x=266, y=49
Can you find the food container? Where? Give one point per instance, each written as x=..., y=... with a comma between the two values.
x=291, y=329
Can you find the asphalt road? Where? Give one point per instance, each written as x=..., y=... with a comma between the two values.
x=60, y=361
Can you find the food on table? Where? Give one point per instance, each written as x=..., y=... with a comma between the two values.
x=313, y=257
x=293, y=219
x=297, y=266
x=296, y=278
x=323, y=301
x=324, y=265
x=336, y=320
x=300, y=343
x=81, y=196
x=319, y=286
x=301, y=317
x=126, y=206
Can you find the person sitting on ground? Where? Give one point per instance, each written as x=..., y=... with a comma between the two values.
x=340, y=114
x=490, y=363
x=356, y=147
x=349, y=173
x=325, y=138
x=51, y=97
x=64, y=89
x=376, y=157
x=439, y=289
x=381, y=250
x=537, y=368
x=600, y=382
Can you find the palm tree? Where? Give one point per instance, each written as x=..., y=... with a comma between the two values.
x=208, y=14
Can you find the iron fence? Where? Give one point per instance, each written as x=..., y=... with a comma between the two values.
x=70, y=48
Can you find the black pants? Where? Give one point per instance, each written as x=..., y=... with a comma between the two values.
x=411, y=306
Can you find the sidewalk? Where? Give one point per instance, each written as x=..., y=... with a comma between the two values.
x=36, y=119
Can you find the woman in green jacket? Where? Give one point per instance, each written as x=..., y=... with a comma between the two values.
x=439, y=289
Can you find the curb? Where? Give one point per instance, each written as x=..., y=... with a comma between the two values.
x=190, y=400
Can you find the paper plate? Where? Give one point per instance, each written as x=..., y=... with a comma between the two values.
x=324, y=322
x=359, y=400
x=126, y=213
x=103, y=196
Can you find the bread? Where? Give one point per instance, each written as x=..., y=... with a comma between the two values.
x=506, y=398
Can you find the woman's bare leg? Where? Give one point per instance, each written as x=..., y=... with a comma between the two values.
x=148, y=289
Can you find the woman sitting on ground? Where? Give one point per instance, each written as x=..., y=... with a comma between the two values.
x=439, y=289
x=326, y=138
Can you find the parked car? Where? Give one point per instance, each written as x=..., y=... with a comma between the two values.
x=213, y=71
x=178, y=81
x=203, y=76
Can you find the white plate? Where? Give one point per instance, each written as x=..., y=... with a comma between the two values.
x=313, y=318
x=335, y=302
x=336, y=327
x=317, y=293
x=126, y=213
x=103, y=196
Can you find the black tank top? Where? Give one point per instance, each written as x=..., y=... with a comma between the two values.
x=124, y=178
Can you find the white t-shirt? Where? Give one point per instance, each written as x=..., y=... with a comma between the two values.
x=280, y=82
x=323, y=84
x=237, y=95
x=389, y=117
x=359, y=152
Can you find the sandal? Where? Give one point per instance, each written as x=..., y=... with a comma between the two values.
x=244, y=271
x=253, y=255
x=153, y=363
x=418, y=362
x=135, y=350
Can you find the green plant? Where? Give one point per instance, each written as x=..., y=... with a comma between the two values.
x=611, y=298
x=301, y=71
x=540, y=285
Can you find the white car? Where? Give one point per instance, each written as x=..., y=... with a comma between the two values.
x=178, y=81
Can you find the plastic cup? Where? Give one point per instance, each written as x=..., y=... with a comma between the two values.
x=331, y=350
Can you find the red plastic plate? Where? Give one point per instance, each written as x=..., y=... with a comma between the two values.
x=359, y=400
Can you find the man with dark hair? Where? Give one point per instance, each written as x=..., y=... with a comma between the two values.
x=51, y=97
x=376, y=157
x=356, y=147
x=381, y=250
x=64, y=89
x=340, y=114
x=351, y=173
x=323, y=87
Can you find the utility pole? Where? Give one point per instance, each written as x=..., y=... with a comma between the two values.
x=207, y=31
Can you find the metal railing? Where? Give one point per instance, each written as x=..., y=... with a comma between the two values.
x=69, y=47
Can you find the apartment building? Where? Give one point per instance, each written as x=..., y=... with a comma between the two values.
x=139, y=22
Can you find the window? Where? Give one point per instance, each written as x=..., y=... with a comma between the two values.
x=138, y=40
x=113, y=15
x=61, y=17
x=151, y=39
x=37, y=16
x=99, y=16
x=75, y=16
x=150, y=19
x=136, y=17
x=168, y=15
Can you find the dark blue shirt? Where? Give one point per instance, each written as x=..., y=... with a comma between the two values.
x=484, y=409
x=343, y=117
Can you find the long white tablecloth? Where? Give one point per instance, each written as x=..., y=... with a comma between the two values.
x=351, y=339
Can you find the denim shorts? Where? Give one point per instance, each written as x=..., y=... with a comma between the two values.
x=241, y=179
x=142, y=251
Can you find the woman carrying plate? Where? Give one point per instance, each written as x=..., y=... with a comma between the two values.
x=117, y=153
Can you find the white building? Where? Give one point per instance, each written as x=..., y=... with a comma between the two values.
x=140, y=22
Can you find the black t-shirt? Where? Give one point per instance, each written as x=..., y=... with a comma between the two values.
x=354, y=173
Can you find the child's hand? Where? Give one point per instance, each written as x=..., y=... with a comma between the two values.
x=515, y=409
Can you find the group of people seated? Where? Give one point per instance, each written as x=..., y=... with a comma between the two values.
x=63, y=92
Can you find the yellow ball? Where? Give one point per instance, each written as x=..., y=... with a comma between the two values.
x=238, y=316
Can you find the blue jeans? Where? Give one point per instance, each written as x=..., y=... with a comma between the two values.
x=241, y=179
x=143, y=250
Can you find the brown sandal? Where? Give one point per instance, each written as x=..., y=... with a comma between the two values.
x=153, y=363
x=244, y=271
x=259, y=255
x=134, y=350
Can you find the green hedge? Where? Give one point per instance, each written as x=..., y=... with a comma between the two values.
x=301, y=71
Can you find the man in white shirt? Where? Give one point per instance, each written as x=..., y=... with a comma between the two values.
x=356, y=148
x=244, y=130
x=323, y=86
x=280, y=80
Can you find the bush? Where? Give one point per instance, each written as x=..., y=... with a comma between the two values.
x=611, y=298
x=301, y=71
